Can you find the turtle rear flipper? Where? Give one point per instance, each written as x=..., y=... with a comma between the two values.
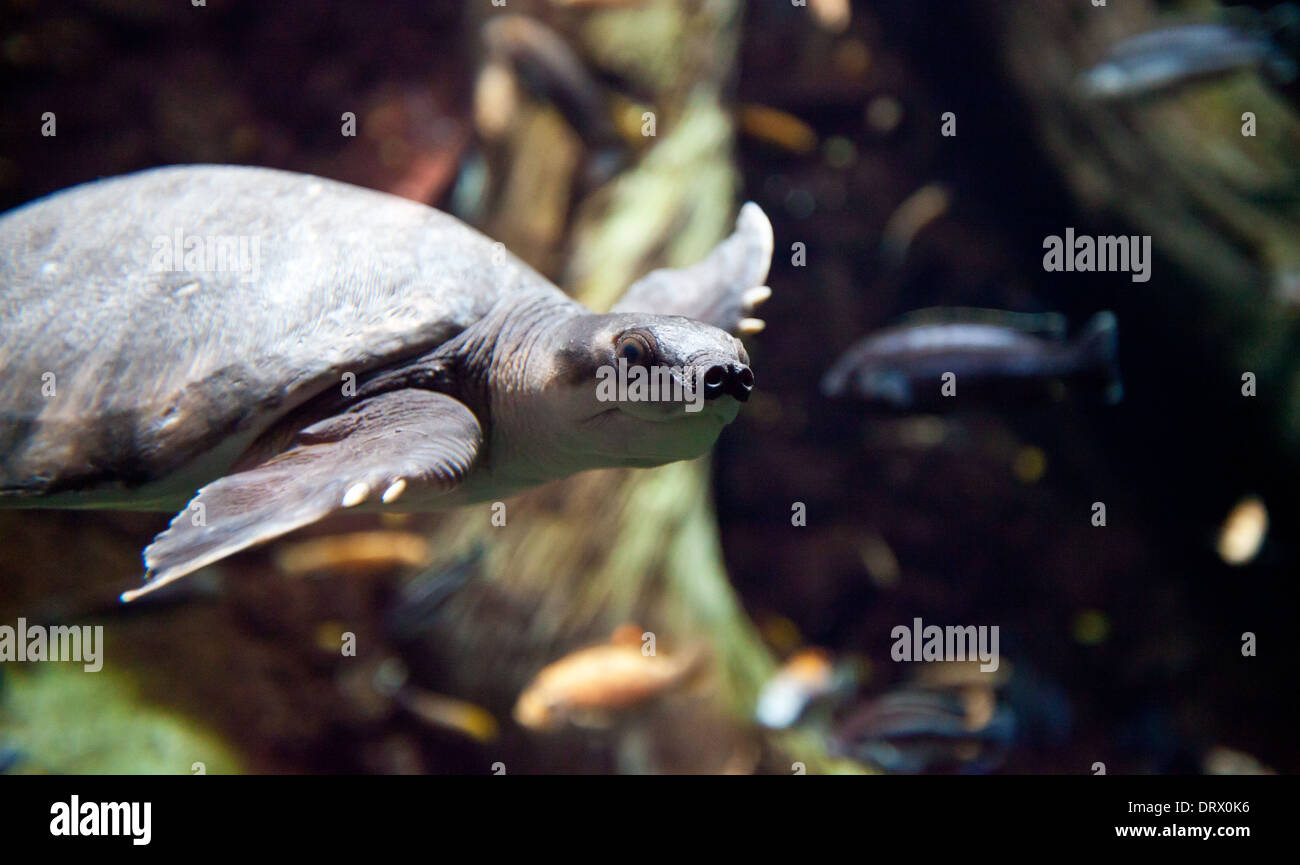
x=378, y=447
x=722, y=290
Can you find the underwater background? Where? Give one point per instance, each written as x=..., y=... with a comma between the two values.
x=911, y=156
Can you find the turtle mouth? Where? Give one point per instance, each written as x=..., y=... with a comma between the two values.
x=723, y=408
x=641, y=440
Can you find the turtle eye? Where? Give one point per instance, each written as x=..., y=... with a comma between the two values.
x=633, y=348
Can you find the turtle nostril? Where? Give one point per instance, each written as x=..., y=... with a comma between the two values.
x=715, y=379
x=734, y=379
x=741, y=382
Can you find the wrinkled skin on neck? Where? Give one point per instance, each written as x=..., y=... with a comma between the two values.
x=549, y=416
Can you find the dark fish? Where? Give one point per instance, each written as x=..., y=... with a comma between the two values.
x=905, y=366
x=420, y=601
x=1170, y=56
x=548, y=67
x=916, y=730
x=553, y=72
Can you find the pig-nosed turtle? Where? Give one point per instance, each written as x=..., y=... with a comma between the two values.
x=289, y=346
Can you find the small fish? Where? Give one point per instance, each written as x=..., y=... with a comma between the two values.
x=914, y=730
x=806, y=676
x=356, y=553
x=449, y=713
x=372, y=688
x=589, y=687
x=1170, y=56
x=905, y=366
x=421, y=600
x=776, y=127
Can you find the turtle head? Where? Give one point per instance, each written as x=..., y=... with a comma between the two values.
x=627, y=389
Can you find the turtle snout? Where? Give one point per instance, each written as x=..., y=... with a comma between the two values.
x=729, y=378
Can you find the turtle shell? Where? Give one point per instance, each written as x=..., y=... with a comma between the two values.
x=159, y=317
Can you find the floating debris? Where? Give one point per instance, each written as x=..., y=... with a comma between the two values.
x=884, y=114
x=1243, y=531
x=800, y=203
x=920, y=432
x=1228, y=761
x=1029, y=465
x=832, y=15
x=328, y=636
x=916, y=212
x=840, y=152
x=1091, y=628
x=879, y=560
x=851, y=58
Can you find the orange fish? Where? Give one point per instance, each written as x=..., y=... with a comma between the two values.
x=589, y=686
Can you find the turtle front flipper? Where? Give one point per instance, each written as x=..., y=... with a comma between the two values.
x=378, y=448
x=722, y=290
